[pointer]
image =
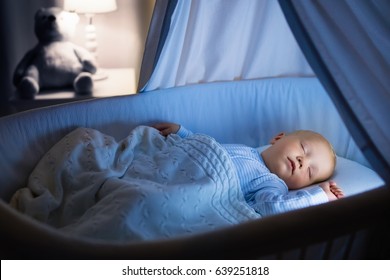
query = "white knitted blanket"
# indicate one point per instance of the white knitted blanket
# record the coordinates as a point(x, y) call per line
point(143, 187)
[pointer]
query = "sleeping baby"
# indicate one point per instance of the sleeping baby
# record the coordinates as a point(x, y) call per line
point(149, 186)
point(292, 162)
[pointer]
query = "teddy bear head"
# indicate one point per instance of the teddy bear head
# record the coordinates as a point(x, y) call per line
point(54, 24)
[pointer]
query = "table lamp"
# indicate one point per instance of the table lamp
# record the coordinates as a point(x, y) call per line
point(90, 8)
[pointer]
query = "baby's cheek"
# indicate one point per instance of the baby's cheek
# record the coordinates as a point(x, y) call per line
point(293, 183)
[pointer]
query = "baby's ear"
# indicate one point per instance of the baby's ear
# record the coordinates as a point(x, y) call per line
point(277, 137)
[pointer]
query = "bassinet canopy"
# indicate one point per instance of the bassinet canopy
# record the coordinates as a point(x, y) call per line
point(345, 42)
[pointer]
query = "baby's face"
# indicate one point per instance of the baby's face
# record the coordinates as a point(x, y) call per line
point(300, 159)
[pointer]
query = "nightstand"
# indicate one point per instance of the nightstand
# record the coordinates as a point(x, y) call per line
point(119, 81)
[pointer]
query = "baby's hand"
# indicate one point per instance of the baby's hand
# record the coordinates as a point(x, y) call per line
point(332, 190)
point(336, 190)
point(167, 128)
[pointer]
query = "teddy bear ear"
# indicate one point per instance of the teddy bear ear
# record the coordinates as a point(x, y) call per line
point(39, 13)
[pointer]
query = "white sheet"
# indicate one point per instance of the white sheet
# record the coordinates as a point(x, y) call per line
point(143, 187)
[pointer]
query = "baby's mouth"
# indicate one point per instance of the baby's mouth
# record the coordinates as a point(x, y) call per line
point(292, 163)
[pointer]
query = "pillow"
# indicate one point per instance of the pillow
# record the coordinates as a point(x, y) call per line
point(354, 177)
point(351, 176)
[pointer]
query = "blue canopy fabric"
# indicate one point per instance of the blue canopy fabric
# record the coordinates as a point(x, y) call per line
point(201, 41)
point(347, 43)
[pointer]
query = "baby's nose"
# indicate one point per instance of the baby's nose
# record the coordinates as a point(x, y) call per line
point(300, 161)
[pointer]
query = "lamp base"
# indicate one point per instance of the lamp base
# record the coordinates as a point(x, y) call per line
point(100, 75)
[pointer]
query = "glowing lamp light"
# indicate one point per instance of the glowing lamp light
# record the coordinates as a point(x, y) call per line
point(89, 8)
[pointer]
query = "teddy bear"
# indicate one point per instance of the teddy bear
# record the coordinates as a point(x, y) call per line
point(54, 62)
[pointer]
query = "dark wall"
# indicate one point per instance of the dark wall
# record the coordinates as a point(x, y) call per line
point(16, 37)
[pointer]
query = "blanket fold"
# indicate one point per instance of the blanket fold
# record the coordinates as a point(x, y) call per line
point(143, 187)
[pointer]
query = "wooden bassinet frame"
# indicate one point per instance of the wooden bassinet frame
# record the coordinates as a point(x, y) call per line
point(287, 236)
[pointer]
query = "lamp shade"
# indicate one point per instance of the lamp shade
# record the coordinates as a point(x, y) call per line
point(90, 6)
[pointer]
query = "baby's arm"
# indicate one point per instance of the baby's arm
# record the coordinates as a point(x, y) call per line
point(273, 197)
point(332, 190)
